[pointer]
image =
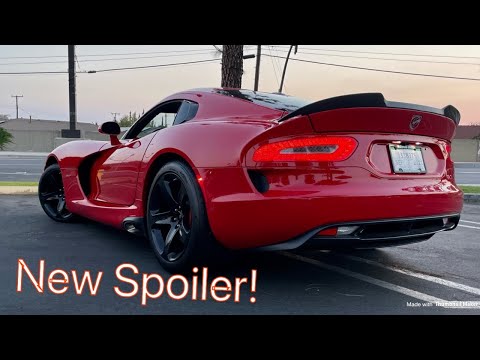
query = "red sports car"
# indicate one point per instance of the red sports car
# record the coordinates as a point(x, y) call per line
point(253, 170)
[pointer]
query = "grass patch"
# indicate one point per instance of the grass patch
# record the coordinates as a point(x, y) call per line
point(470, 189)
point(18, 183)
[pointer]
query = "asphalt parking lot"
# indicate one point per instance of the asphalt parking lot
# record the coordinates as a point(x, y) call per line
point(402, 280)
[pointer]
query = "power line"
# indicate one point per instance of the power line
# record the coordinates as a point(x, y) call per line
point(153, 66)
point(95, 55)
point(389, 53)
point(111, 59)
point(277, 61)
point(273, 65)
point(380, 70)
point(112, 69)
point(76, 60)
point(33, 72)
point(36, 62)
point(148, 52)
point(202, 50)
point(25, 111)
point(145, 57)
point(388, 59)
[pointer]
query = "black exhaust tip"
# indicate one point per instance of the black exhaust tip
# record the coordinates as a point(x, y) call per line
point(134, 225)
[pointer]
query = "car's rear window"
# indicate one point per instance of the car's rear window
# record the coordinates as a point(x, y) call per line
point(274, 101)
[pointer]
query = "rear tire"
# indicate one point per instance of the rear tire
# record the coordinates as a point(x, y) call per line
point(176, 220)
point(52, 195)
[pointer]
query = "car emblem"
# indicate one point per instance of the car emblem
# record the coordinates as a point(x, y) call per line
point(416, 120)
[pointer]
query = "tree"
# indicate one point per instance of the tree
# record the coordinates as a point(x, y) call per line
point(5, 138)
point(232, 66)
point(128, 120)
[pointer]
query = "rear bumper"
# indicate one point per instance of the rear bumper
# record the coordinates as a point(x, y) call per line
point(372, 234)
point(302, 203)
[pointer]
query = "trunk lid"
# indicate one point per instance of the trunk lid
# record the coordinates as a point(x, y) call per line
point(393, 138)
point(372, 113)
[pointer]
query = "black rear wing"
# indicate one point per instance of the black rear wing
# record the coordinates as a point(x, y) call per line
point(369, 100)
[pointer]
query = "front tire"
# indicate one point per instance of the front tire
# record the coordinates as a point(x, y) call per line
point(176, 219)
point(52, 195)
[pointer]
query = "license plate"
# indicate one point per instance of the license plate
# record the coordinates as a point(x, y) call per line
point(407, 159)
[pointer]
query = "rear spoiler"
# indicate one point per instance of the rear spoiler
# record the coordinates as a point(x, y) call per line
point(369, 100)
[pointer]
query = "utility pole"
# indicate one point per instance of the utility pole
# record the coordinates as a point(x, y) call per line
point(16, 101)
point(257, 67)
point(115, 116)
point(285, 67)
point(72, 96)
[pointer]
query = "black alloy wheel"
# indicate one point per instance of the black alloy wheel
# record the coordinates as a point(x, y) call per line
point(176, 219)
point(171, 217)
point(52, 194)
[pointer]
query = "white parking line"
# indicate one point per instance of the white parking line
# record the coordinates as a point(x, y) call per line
point(472, 222)
point(418, 275)
point(470, 227)
point(386, 285)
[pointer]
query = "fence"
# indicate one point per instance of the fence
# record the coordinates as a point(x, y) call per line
point(465, 150)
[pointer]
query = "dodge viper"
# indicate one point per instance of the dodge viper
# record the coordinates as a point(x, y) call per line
point(239, 169)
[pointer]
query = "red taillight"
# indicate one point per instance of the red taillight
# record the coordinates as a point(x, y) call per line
point(325, 148)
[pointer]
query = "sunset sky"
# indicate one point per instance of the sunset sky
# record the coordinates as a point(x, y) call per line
point(100, 94)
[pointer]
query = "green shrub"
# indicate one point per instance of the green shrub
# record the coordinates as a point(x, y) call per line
point(5, 138)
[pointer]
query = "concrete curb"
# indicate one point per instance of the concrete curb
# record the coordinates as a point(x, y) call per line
point(18, 190)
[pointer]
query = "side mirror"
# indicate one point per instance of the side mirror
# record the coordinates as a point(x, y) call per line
point(110, 128)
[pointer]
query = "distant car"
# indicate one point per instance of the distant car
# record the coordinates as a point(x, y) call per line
point(254, 170)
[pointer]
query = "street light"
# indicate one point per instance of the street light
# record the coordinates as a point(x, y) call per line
point(285, 67)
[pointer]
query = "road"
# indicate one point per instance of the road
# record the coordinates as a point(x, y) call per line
point(21, 167)
point(384, 281)
point(467, 176)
